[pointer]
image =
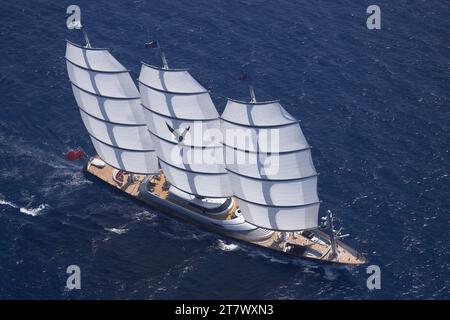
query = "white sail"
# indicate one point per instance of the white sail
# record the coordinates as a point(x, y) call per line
point(110, 107)
point(174, 100)
point(270, 166)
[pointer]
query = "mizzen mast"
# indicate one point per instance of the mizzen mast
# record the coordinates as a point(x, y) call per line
point(277, 183)
point(154, 44)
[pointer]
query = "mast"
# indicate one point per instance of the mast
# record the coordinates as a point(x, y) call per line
point(164, 60)
point(86, 39)
point(154, 44)
point(109, 105)
point(334, 234)
point(252, 93)
point(182, 119)
point(246, 77)
point(277, 183)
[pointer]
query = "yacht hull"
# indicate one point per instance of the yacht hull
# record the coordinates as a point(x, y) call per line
point(315, 246)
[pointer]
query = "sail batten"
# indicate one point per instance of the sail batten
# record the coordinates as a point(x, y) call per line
point(87, 68)
point(281, 218)
point(262, 139)
point(279, 125)
point(169, 81)
point(167, 91)
point(103, 96)
point(270, 167)
point(117, 85)
point(192, 170)
point(271, 178)
point(109, 105)
point(177, 117)
point(185, 129)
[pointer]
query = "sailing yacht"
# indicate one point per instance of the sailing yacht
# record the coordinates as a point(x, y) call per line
point(246, 174)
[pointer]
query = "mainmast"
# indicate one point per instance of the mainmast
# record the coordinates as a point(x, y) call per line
point(163, 58)
point(182, 119)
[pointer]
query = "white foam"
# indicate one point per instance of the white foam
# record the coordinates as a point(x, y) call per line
point(227, 247)
point(29, 211)
point(7, 203)
point(145, 215)
point(117, 230)
point(34, 211)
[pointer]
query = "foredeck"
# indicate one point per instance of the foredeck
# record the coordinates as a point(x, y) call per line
point(313, 250)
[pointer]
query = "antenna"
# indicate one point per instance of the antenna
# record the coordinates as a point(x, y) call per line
point(328, 222)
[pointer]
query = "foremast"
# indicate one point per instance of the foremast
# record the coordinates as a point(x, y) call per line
point(109, 105)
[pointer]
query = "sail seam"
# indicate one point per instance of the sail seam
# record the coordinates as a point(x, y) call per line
point(260, 126)
point(110, 122)
point(162, 69)
point(252, 103)
point(189, 146)
point(286, 230)
point(278, 206)
point(268, 153)
point(96, 70)
point(102, 96)
point(192, 171)
point(195, 194)
point(274, 180)
point(171, 117)
point(172, 92)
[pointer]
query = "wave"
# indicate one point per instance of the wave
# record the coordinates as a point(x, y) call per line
point(34, 211)
point(28, 211)
point(145, 215)
point(117, 230)
point(227, 247)
point(12, 205)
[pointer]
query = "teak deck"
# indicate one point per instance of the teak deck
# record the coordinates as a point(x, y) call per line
point(312, 250)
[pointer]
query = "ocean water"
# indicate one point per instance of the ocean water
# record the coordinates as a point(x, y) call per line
point(374, 104)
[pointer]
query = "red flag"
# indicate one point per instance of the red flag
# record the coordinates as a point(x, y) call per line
point(75, 154)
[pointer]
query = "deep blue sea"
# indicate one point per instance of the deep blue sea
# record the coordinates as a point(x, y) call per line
point(374, 104)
